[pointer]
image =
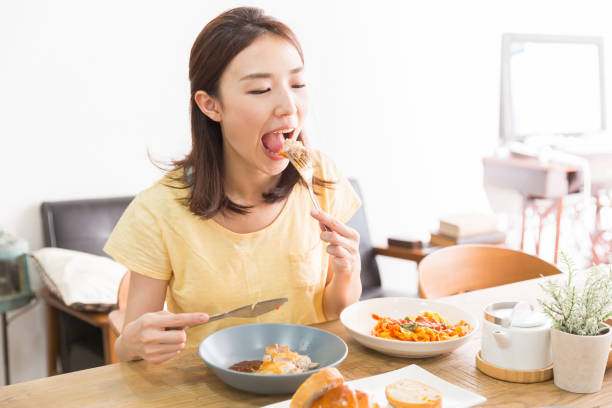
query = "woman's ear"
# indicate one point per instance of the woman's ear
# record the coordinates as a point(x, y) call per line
point(208, 105)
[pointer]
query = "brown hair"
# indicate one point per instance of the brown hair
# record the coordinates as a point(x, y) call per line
point(214, 48)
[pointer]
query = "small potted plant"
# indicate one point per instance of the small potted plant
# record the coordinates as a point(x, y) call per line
point(578, 304)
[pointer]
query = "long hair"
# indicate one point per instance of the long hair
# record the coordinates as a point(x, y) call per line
point(214, 48)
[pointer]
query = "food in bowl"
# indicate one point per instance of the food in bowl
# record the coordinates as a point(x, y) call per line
point(278, 359)
point(246, 366)
point(227, 346)
point(326, 389)
point(414, 394)
point(426, 326)
point(356, 318)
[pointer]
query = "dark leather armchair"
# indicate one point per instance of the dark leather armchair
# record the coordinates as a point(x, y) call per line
point(370, 275)
point(83, 339)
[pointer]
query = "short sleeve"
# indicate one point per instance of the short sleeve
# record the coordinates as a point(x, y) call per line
point(137, 242)
point(339, 200)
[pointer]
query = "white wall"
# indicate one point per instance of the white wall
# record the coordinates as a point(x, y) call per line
point(405, 98)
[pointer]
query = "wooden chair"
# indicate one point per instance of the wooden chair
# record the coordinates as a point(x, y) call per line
point(463, 268)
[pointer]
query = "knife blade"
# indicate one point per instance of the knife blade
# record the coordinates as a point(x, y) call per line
point(252, 310)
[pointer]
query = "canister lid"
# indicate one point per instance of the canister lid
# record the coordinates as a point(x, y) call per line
point(11, 246)
point(515, 314)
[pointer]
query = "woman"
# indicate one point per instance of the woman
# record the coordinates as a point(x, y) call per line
point(230, 224)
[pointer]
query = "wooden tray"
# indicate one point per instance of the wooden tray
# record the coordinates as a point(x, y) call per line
point(517, 376)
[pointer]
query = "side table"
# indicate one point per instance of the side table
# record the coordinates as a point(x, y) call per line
point(7, 303)
point(415, 255)
point(100, 320)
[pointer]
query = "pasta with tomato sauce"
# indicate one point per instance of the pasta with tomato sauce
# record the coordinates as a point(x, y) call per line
point(426, 326)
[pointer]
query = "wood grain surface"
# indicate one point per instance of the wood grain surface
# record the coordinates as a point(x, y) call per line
point(186, 382)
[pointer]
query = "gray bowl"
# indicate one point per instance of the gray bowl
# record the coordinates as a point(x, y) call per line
point(226, 347)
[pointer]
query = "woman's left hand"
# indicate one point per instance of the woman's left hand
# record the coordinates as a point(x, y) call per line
point(343, 245)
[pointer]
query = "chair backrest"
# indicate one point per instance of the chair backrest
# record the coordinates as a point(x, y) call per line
point(370, 276)
point(81, 225)
point(463, 268)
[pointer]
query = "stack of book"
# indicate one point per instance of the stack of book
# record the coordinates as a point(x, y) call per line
point(468, 229)
point(407, 241)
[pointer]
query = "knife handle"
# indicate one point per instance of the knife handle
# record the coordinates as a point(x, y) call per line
point(210, 319)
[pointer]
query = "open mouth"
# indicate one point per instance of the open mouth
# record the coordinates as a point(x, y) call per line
point(273, 141)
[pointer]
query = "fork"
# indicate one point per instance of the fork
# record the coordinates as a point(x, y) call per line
point(304, 167)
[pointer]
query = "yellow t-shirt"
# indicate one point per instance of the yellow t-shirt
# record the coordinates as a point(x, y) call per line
point(212, 269)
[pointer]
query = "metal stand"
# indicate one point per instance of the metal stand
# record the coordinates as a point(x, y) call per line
point(542, 212)
point(7, 379)
point(601, 242)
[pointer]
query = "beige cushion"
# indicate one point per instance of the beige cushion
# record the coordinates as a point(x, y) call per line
point(83, 281)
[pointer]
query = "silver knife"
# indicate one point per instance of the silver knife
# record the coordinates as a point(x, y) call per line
point(246, 311)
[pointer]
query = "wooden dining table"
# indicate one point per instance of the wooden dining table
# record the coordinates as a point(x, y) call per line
point(185, 381)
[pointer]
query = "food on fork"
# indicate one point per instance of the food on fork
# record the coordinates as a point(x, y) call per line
point(426, 326)
point(300, 159)
point(278, 359)
point(326, 389)
point(408, 393)
point(294, 148)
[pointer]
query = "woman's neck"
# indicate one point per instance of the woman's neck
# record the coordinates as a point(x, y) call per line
point(245, 186)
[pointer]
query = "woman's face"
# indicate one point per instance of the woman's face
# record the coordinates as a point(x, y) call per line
point(263, 100)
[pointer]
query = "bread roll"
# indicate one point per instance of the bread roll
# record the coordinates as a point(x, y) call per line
point(412, 394)
point(345, 397)
point(315, 387)
point(364, 400)
point(339, 397)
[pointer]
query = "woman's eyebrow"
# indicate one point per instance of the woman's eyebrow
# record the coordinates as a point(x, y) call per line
point(258, 75)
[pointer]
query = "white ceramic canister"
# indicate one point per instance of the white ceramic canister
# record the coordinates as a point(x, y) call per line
point(516, 336)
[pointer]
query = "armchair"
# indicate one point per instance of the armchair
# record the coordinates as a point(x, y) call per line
point(370, 275)
point(82, 339)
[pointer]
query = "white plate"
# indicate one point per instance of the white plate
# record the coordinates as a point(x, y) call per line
point(452, 396)
point(358, 320)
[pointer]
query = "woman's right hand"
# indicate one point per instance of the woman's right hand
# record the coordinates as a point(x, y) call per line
point(156, 336)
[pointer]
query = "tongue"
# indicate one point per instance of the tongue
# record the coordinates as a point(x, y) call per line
point(273, 141)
